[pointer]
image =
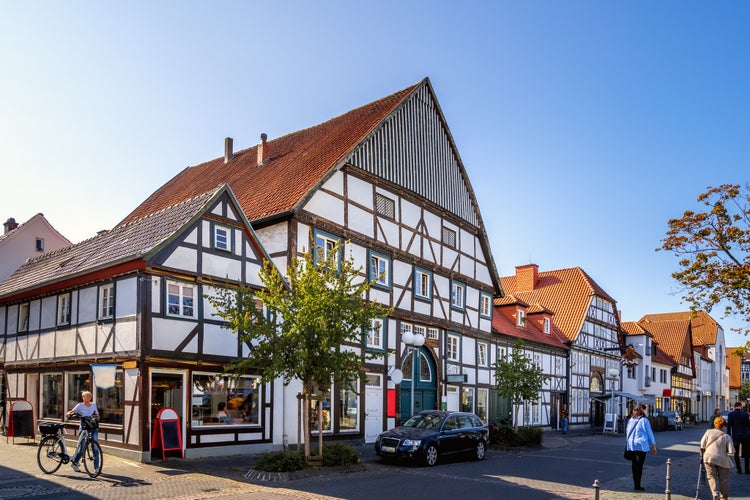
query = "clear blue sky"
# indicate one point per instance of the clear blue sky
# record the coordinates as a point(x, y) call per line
point(584, 125)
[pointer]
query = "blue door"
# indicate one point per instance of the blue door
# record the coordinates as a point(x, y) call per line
point(425, 388)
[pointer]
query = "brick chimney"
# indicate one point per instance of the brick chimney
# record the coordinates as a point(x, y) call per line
point(228, 149)
point(264, 152)
point(526, 277)
point(10, 225)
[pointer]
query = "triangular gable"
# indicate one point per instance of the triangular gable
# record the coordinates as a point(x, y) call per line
point(426, 161)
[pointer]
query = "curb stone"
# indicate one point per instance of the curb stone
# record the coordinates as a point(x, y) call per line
point(263, 476)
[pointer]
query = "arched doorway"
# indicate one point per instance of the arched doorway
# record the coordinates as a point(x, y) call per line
point(598, 407)
point(425, 388)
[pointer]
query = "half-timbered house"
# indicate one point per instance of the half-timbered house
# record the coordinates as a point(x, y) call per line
point(124, 314)
point(386, 179)
point(587, 316)
point(543, 344)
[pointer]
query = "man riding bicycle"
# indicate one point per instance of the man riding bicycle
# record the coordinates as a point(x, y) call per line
point(87, 408)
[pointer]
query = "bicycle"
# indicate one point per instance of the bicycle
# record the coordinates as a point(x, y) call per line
point(52, 452)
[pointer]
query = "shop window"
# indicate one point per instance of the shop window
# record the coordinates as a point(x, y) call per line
point(52, 396)
point(218, 399)
point(109, 401)
point(320, 408)
point(349, 415)
point(467, 399)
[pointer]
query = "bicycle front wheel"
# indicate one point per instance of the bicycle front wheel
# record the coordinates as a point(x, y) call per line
point(49, 454)
point(92, 458)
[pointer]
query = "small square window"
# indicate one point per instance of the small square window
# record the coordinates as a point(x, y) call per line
point(222, 238)
point(433, 333)
point(385, 206)
point(458, 295)
point(449, 237)
point(40, 244)
point(422, 284)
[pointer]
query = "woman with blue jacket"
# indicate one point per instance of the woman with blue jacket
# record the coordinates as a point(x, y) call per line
point(640, 438)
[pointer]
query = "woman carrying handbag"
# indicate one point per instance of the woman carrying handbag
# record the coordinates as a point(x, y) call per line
point(639, 439)
point(716, 452)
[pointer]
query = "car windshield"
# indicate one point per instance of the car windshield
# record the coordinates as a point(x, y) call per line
point(428, 421)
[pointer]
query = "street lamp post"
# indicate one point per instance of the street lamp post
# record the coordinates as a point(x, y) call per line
point(414, 342)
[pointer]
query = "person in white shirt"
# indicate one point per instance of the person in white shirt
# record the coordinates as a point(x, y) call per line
point(86, 408)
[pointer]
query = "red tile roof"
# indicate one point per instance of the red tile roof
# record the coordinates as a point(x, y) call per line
point(504, 323)
point(297, 163)
point(566, 292)
point(702, 325)
point(673, 337)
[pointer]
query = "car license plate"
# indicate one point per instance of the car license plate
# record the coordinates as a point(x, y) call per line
point(388, 449)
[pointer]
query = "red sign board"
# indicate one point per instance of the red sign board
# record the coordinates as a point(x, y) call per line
point(391, 410)
point(667, 393)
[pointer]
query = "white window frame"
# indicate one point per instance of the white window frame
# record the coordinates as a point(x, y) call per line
point(380, 270)
point(221, 241)
point(422, 284)
point(107, 301)
point(181, 296)
point(326, 243)
point(453, 347)
point(63, 309)
point(485, 305)
point(520, 318)
point(458, 295)
point(433, 333)
point(23, 317)
point(375, 337)
point(483, 349)
point(547, 325)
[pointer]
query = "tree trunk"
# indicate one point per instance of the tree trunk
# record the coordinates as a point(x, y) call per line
point(306, 420)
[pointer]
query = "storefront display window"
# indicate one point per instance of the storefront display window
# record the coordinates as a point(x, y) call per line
point(109, 401)
point(218, 399)
point(349, 415)
point(52, 396)
point(321, 401)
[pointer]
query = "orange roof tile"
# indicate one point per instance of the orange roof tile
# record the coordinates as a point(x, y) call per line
point(566, 292)
point(298, 161)
point(504, 323)
point(704, 328)
point(673, 337)
point(734, 363)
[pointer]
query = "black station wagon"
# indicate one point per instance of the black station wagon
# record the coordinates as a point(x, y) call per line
point(431, 434)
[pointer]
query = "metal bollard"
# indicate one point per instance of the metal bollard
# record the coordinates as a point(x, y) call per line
point(667, 492)
point(596, 489)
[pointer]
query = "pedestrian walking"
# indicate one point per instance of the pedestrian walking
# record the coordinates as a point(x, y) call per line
point(716, 450)
point(564, 419)
point(640, 438)
point(738, 426)
point(717, 413)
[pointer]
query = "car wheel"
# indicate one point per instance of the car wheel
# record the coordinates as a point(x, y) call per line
point(480, 450)
point(431, 455)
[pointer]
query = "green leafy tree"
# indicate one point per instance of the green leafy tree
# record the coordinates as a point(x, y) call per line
point(518, 378)
point(714, 251)
point(309, 320)
point(744, 393)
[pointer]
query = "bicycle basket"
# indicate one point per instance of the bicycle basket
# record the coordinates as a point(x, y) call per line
point(89, 423)
point(47, 429)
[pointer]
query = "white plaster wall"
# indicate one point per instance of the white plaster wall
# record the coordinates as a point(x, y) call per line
point(87, 307)
point(126, 297)
point(335, 183)
point(66, 343)
point(49, 311)
point(126, 336)
point(274, 238)
point(360, 221)
point(46, 344)
point(468, 243)
point(13, 319)
point(192, 237)
point(183, 258)
point(168, 334)
point(360, 191)
point(156, 293)
point(217, 340)
point(326, 206)
point(221, 267)
point(388, 232)
point(410, 213)
point(434, 224)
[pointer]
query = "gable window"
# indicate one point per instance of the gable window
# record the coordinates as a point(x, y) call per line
point(458, 295)
point(520, 317)
point(482, 350)
point(23, 318)
point(375, 334)
point(449, 237)
point(452, 352)
point(485, 305)
point(422, 284)
point(222, 238)
point(325, 248)
point(181, 299)
point(106, 301)
point(547, 323)
point(40, 244)
point(385, 206)
point(63, 309)
point(380, 270)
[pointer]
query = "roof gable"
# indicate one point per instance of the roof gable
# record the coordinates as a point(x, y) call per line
point(704, 328)
point(138, 240)
point(673, 338)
